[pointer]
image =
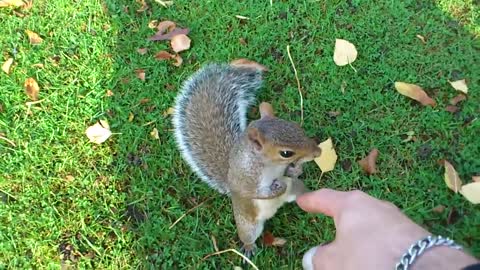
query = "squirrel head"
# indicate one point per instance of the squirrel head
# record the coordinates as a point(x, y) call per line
point(280, 141)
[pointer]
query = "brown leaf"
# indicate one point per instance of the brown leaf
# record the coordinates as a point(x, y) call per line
point(11, 3)
point(168, 36)
point(414, 92)
point(246, 63)
point(268, 238)
point(142, 51)
point(368, 163)
point(439, 208)
point(279, 242)
point(33, 37)
point(476, 178)
point(180, 43)
point(242, 41)
point(144, 101)
point(452, 179)
point(165, 27)
point(178, 60)
point(163, 55)
point(140, 74)
point(451, 108)
point(6, 65)
point(457, 99)
point(31, 88)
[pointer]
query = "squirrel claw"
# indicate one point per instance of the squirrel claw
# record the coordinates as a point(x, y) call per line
point(278, 187)
point(248, 251)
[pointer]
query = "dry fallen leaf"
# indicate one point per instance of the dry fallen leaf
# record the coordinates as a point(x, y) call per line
point(165, 27)
point(168, 112)
point(99, 132)
point(154, 134)
point(242, 17)
point(140, 74)
point(452, 109)
point(39, 65)
point(177, 31)
point(144, 101)
point(279, 242)
point(69, 178)
point(109, 93)
point(471, 192)
point(180, 43)
point(163, 55)
point(414, 92)
point(422, 38)
point(178, 60)
point(164, 3)
point(31, 88)
point(328, 157)
point(142, 51)
point(476, 178)
point(268, 238)
point(242, 62)
point(6, 65)
point(460, 85)
point(11, 3)
point(439, 208)
point(452, 179)
point(33, 37)
point(130, 117)
point(143, 7)
point(345, 52)
point(457, 99)
point(368, 163)
point(243, 41)
point(153, 24)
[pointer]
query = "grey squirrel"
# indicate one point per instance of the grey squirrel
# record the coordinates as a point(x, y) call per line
point(256, 165)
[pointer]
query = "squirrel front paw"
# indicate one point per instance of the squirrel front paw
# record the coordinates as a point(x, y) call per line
point(294, 170)
point(278, 187)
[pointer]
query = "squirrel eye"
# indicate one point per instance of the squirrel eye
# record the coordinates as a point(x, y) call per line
point(286, 154)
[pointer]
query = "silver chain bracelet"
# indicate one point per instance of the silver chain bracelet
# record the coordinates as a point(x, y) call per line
point(419, 247)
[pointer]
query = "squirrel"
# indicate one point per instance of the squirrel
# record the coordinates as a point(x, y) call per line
point(256, 165)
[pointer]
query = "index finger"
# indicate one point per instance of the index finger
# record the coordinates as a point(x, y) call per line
point(326, 201)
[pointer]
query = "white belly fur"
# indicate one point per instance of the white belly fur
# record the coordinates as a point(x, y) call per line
point(267, 208)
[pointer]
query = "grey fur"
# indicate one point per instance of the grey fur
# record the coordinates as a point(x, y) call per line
point(206, 136)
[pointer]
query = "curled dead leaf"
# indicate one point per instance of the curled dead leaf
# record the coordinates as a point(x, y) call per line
point(328, 157)
point(6, 66)
point(31, 88)
point(131, 116)
point(99, 132)
point(142, 51)
point(154, 134)
point(153, 24)
point(163, 55)
point(452, 179)
point(33, 37)
point(246, 63)
point(178, 60)
point(457, 99)
point(460, 85)
point(180, 43)
point(344, 53)
point(165, 27)
point(471, 192)
point(140, 74)
point(368, 163)
point(414, 92)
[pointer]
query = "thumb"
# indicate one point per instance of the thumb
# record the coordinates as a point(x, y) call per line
point(326, 201)
point(307, 261)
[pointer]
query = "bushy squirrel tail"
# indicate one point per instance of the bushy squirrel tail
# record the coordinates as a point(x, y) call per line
point(210, 114)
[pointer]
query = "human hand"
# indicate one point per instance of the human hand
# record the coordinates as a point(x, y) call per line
point(370, 234)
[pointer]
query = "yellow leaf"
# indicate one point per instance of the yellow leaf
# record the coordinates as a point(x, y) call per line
point(6, 65)
point(414, 92)
point(154, 134)
point(33, 37)
point(180, 43)
point(327, 159)
point(471, 192)
point(11, 3)
point(452, 179)
point(460, 85)
point(164, 3)
point(130, 117)
point(99, 132)
point(345, 52)
point(169, 111)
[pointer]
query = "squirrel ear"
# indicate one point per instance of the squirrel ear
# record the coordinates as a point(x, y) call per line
point(266, 110)
point(256, 138)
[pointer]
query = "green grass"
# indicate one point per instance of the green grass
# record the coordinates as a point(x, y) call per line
point(116, 212)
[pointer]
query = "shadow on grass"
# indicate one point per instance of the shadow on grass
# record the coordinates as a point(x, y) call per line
point(160, 187)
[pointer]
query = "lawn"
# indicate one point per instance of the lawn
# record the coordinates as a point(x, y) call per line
point(71, 203)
